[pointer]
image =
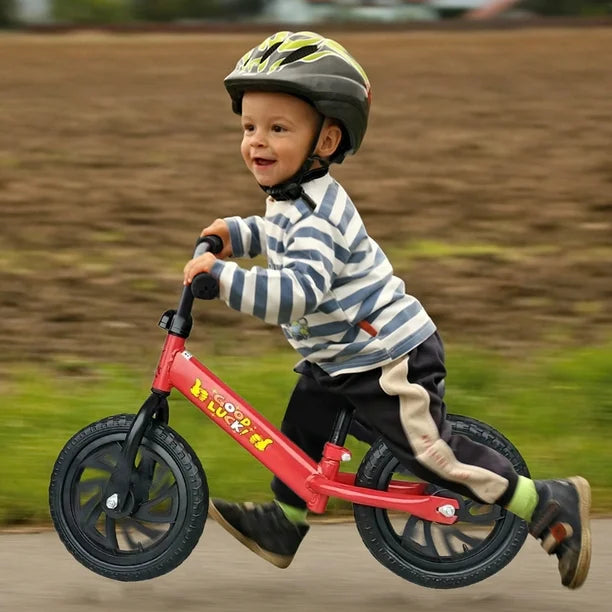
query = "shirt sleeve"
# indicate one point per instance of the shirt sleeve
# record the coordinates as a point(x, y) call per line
point(310, 265)
point(247, 236)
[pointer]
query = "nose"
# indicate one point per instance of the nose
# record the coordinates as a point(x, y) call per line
point(257, 139)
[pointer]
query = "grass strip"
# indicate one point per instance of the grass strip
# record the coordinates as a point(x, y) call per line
point(557, 409)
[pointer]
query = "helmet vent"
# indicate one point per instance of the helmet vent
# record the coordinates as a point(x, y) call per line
point(298, 54)
point(269, 52)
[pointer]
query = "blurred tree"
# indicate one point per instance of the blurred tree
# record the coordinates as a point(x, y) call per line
point(569, 7)
point(157, 10)
point(113, 11)
point(91, 11)
point(167, 10)
point(7, 13)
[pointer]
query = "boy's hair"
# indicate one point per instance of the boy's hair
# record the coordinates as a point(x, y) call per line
point(316, 69)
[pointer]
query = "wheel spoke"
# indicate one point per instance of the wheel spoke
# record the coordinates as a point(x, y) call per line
point(430, 545)
point(128, 537)
point(453, 532)
point(410, 537)
point(91, 486)
point(146, 511)
point(410, 531)
point(100, 460)
point(148, 531)
point(89, 514)
point(160, 476)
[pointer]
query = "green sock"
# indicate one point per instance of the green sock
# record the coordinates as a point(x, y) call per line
point(524, 500)
point(295, 515)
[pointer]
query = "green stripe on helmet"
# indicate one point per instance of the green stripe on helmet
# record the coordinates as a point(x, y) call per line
point(273, 39)
point(294, 45)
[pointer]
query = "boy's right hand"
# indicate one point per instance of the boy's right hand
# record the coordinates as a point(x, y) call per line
point(220, 228)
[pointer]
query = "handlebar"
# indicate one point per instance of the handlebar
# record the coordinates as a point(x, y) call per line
point(212, 243)
point(203, 285)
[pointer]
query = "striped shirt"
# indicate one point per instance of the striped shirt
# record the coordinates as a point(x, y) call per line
point(325, 276)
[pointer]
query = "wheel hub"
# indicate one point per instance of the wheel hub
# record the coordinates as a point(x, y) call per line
point(112, 506)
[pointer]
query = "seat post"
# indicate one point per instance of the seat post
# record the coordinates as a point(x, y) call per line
point(341, 426)
point(333, 453)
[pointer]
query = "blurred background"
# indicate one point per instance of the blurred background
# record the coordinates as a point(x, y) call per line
point(15, 12)
point(486, 175)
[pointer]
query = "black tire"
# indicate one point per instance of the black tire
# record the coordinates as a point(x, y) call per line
point(166, 520)
point(434, 555)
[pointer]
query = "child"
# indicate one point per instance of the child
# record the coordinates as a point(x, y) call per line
point(304, 104)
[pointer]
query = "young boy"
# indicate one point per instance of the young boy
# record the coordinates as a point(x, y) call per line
point(304, 104)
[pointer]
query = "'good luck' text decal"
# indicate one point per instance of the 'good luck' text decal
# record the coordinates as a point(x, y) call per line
point(232, 415)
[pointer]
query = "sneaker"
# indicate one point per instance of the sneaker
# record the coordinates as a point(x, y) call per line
point(263, 528)
point(561, 521)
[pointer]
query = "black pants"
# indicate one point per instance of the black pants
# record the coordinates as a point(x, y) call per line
point(401, 402)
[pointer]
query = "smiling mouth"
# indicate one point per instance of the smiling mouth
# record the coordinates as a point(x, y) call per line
point(262, 162)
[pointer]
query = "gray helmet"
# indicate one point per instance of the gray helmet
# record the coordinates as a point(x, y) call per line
point(314, 68)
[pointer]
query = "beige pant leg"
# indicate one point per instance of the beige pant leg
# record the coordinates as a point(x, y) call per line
point(429, 449)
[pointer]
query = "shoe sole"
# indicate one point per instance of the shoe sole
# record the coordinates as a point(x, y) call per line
point(584, 559)
point(281, 561)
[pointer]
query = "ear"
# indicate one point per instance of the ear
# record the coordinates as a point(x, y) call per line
point(329, 139)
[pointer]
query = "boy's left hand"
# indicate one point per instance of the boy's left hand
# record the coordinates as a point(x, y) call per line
point(203, 263)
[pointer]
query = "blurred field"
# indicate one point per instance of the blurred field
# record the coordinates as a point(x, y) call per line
point(486, 174)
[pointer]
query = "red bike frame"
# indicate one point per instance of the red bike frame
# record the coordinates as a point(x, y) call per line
point(313, 482)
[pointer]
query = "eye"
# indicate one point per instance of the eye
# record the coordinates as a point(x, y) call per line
point(248, 127)
point(278, 128)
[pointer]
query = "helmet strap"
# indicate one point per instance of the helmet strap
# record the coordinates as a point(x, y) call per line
point(292, 188)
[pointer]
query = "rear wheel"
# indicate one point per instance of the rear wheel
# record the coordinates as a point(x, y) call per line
point(484, 539)
point(168, 501)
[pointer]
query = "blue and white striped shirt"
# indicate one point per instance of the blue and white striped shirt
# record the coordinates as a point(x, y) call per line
point(325, 275)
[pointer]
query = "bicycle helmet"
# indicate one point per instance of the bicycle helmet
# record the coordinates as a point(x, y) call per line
point(316, 69)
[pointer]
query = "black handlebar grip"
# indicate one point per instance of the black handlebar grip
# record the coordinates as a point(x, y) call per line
point(205, 244)
point(204, 286)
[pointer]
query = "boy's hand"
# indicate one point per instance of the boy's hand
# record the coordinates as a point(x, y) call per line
point(205, 262)
point(200, 264)
point(219, 227)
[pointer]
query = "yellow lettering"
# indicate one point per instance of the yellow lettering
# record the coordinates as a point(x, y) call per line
point(197, 387)
point(259, 443)
point(261, 446)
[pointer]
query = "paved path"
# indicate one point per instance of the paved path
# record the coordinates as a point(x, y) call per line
point(333, 571)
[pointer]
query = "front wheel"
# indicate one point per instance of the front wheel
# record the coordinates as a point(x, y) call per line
point(485, 538)
point(168, 499)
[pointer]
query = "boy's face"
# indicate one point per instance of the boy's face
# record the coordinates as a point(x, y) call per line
point(278, 130)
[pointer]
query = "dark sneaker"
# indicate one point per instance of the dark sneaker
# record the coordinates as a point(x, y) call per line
point(561, 521)
point(263, 528)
